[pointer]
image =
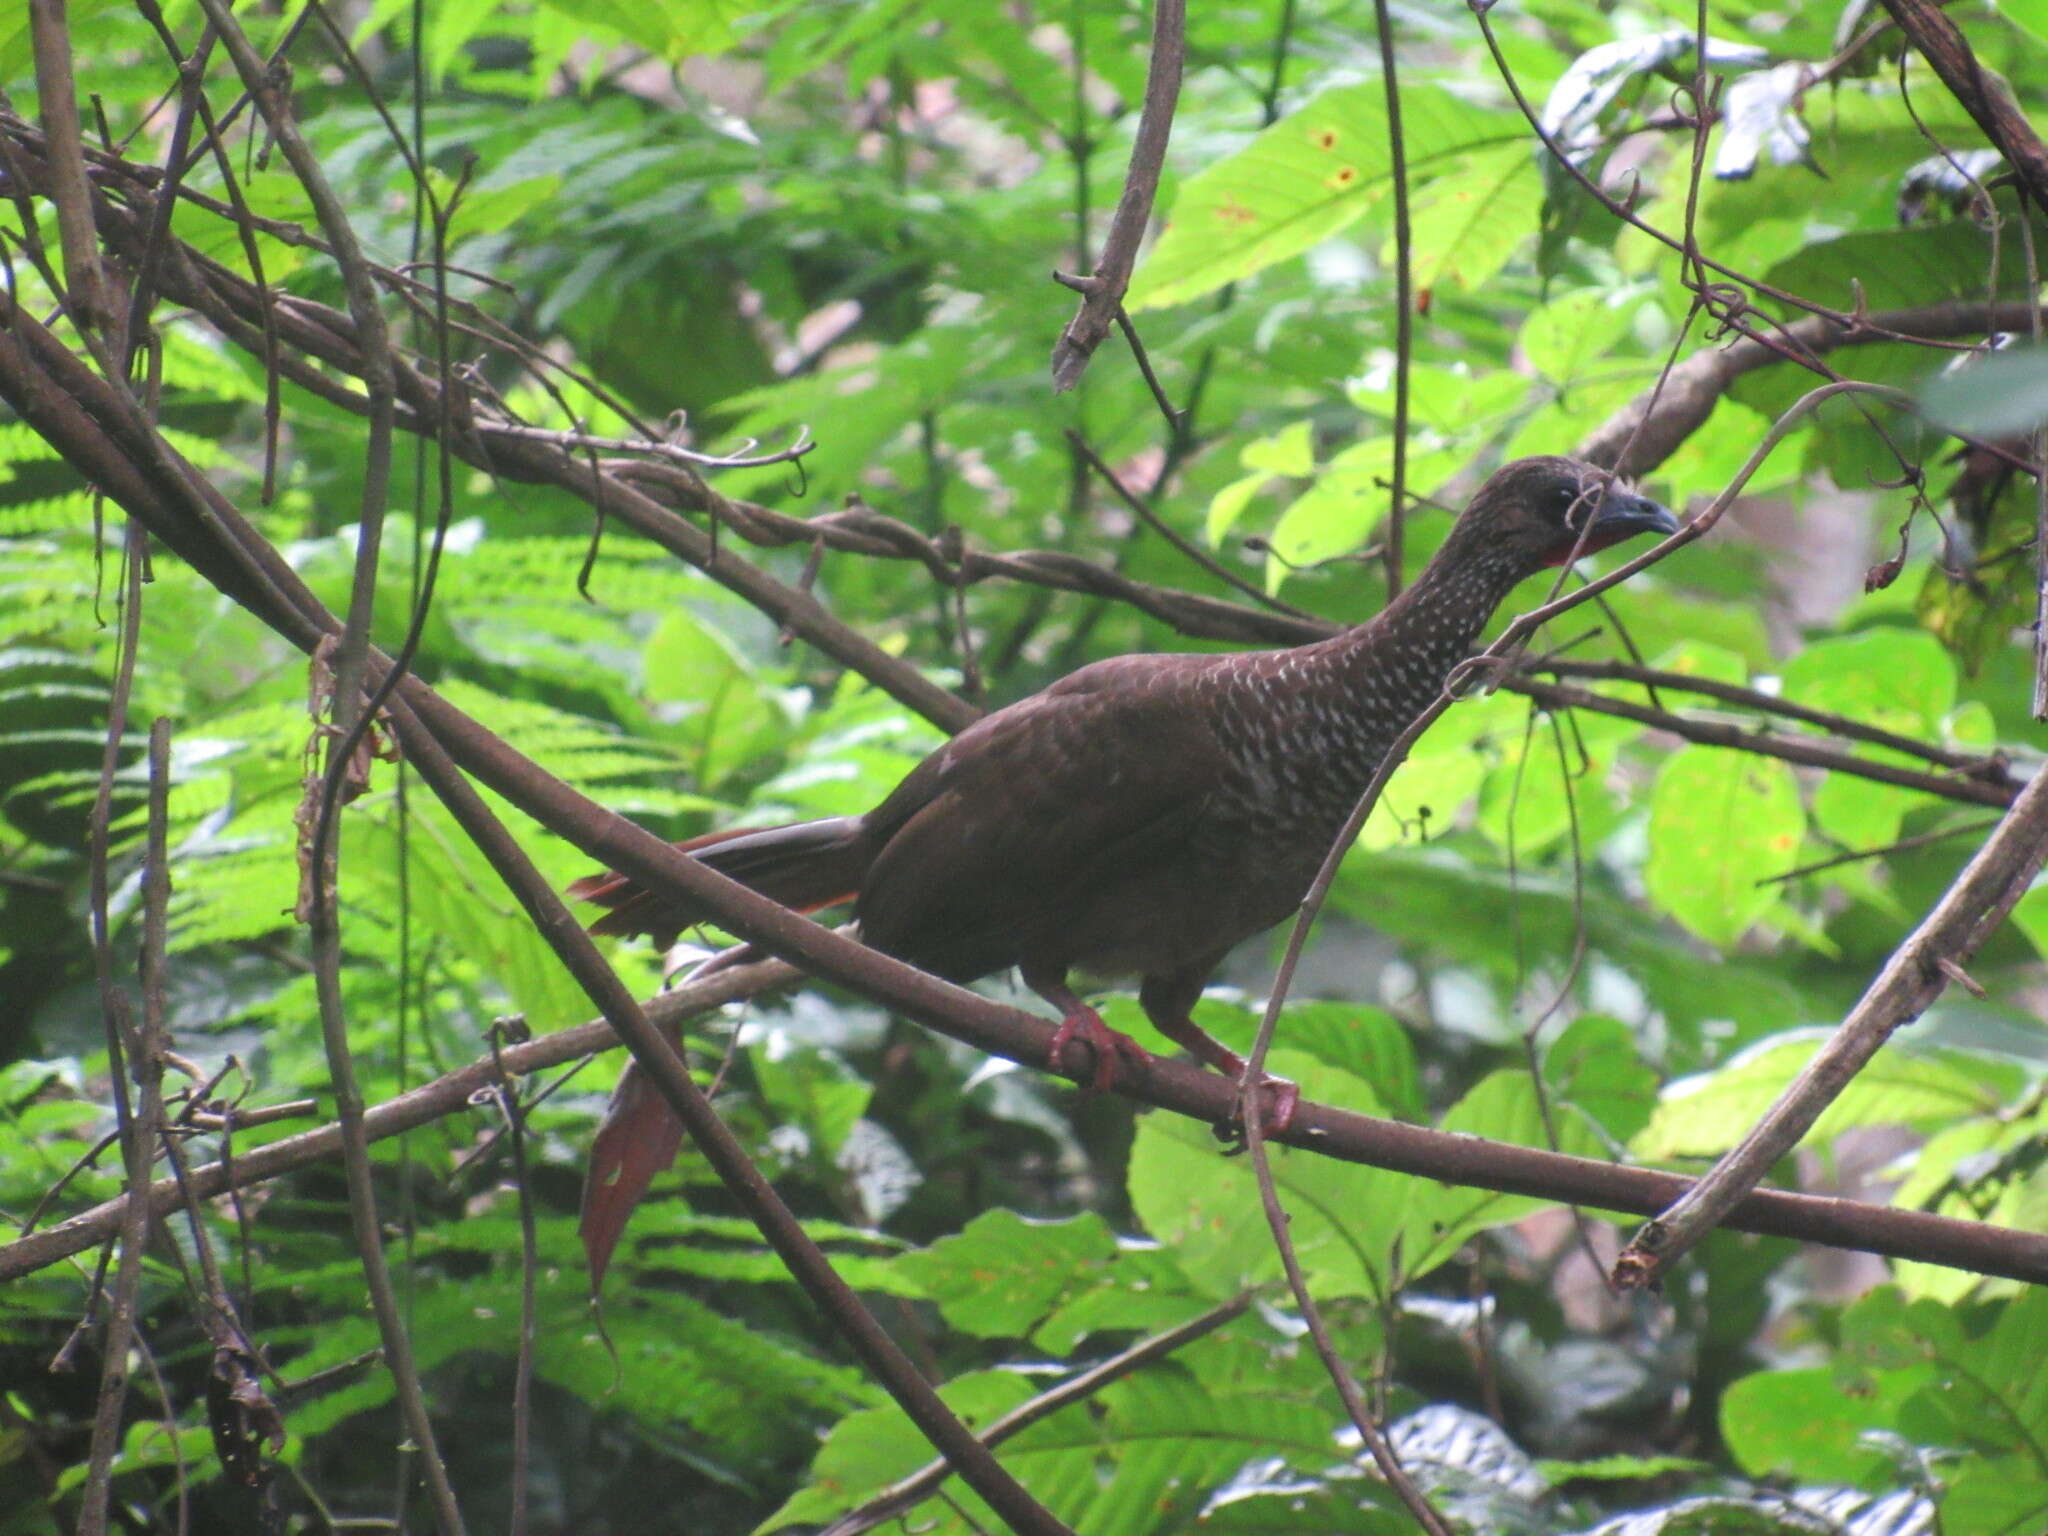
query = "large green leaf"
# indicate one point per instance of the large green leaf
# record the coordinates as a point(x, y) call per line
point(1720, 824)
point(1302, 180)
point(1921, 1089)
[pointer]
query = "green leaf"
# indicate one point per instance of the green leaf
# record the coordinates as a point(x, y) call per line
point(1615, 1469)
point(2030, 916)
point(1921, 1089)
point(1802, 1424)
point(1860, 813)
point(1720, 822)
point(722, 708)
point(1712, 663)
point(1451, 401)
point(1473, 219)
point(1595, 1065)
point(1307, 177)
point(1900, 679)
point(1290, 451)
point(269, 195)
point(813, 1091)
point(1564, 338)
point(868, 1450)
point(1547, 782)
point(1345, 1218)
point(1001, 1273)
point(2003, 395)
point(1444, 770)
point(669, 29)
point(487, 209)
point(1503, 1106)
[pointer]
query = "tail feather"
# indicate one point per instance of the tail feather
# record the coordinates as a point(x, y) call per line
point(805, 865)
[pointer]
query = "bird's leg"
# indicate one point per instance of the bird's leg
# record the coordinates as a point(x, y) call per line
point(1167, 1001)
point(1079, 1021)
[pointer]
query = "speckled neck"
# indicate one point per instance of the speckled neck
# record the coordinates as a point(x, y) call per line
point(1396, 662)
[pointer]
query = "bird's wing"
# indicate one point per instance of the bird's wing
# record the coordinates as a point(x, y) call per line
point(992, 837)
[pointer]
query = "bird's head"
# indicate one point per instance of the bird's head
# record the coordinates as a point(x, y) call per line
point(1533, 513)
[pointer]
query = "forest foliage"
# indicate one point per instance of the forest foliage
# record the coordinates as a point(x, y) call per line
point(833, 225)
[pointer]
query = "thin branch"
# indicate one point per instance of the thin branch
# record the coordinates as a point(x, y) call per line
point(350, 721)
point(1901, 845)
point(506, 1093)
point(1194, 552)
point(1361, 1416)
point(140, 1122)
point(1112, 277)
point(2040, 702)
point(899, 1498)
point(1990, 769)
point(85, 291)
point(1971, 788)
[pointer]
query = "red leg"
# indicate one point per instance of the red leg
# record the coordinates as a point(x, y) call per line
point(1167, 1000)
point(1079, 1021)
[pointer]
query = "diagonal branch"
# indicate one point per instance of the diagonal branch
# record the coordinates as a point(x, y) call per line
point(742, 1177)
point(1103, 293)
point(900, 1497)
point(1915, 975)
point(1983, 93)
point(1661, 421)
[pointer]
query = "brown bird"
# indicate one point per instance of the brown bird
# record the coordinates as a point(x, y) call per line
point(1143, 815)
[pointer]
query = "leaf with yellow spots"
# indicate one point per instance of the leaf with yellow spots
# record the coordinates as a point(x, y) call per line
point(1719, 823)
point(1304, 179)
point(1475, 218)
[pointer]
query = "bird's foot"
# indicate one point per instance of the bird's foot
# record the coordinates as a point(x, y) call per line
point(1084, 1023)
point(1277, 1099)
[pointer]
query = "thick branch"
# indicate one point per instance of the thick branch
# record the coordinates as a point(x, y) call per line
point(1983, 93)
point(1662, 419)
point(1179, 1087)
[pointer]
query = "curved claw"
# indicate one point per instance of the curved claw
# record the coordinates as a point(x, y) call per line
point(1282, 1096)
point(1108, 1044)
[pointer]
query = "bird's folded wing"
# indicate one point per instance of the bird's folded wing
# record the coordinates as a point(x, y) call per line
point(1031, 806)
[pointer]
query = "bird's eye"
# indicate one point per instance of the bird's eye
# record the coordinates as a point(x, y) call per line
point(1562, 500)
